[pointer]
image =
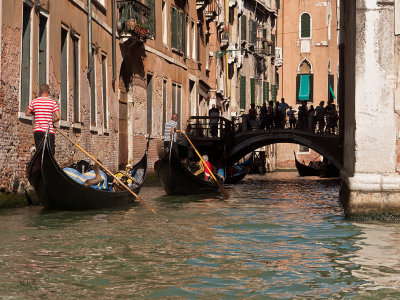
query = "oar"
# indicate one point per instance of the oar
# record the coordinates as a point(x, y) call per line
point(107, 170)
point(198, 154)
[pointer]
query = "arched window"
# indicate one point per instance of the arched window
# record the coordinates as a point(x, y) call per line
point(305, 26)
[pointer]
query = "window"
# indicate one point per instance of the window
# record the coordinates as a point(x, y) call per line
point(304, 87)
point(304, 82)
point(42, 46)
point(178, 26)
point(253, 90)
point(64, 74)
point(149, 92)
point(242, 92)
point(76, 78)
point(252, 31)
point(104, 85)
point(93, 90)
point(188, 39)
point(164, 23)
point(177, 101)
point(304, 149)
point(198, 41)
point(26, 56)
point(193, 41)
point(305, 26)
point(164, 109)
point(243, 28)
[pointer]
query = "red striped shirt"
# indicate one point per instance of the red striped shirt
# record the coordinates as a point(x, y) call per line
point(43, 108)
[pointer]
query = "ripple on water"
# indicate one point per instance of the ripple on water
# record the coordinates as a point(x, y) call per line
point(277, 236)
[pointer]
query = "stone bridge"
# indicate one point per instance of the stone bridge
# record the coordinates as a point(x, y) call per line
point(328, 145)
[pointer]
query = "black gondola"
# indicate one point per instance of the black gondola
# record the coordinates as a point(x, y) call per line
point(56, 190)
point(234, 176)
point(176, 179)
point(306, 170)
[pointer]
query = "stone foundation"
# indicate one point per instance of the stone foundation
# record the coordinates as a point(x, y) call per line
point(367, 200)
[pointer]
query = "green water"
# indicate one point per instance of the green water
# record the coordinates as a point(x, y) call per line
point(275, 237)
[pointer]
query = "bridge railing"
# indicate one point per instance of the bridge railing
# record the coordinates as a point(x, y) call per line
point(212, 127)
point(325, 125)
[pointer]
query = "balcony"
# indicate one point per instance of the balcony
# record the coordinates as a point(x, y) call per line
point(136, 20)
point(212, 10)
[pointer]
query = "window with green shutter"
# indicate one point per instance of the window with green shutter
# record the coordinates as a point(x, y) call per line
point(273, 92)
point(253, 90)
point(305, 25)
point(273, 45)
point(242, 92)
point(174, 28)
point(254, 32)
point(243, 35)
point(265, 91)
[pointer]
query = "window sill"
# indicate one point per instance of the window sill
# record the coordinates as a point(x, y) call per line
point(64, 124)
point(177, 51)
point(106, 131)
point(94, 129)
point(77, 126)
point(23, 117)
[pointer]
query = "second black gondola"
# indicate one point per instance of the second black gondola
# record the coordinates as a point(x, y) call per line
point(176, 179)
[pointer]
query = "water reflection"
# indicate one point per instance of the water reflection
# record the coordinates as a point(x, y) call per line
point(278, 236)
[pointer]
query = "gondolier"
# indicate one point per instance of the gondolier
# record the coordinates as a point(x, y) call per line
point(46, 113)
point(169, 130)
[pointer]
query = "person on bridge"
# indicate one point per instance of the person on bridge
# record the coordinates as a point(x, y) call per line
point(263, 116)
point(253, 116)
point(320, 116)
point(270, 114)
point(214, 114)
point(302, 121)
point(310, 118)
point(278, 116)
point(284, 106)
point(292, 117)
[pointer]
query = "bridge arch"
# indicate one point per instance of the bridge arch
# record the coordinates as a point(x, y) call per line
point(246, 142)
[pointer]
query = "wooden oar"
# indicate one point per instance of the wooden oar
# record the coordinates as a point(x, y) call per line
point(107, 170)
point(198, 154)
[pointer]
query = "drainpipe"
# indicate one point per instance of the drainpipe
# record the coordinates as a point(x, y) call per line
point(90, 67)
point(114, 63)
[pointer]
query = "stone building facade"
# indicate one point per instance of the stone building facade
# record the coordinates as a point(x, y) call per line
point(47, 42)
point(307, 46)
point(163, 73)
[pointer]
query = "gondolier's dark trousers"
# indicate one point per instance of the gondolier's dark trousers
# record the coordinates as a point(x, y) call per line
point(39, 136)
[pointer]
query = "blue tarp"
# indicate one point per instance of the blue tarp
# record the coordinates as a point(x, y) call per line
point(81, 178)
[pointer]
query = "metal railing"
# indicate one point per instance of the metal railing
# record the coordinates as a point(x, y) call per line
point(327, 124)
point(212, 127)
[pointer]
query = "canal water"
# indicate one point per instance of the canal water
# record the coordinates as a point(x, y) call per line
point(277, 236)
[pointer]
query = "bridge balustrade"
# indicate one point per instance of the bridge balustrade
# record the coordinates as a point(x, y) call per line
point(217, 128)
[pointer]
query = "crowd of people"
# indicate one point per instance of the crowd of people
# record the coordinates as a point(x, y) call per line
point(322, 119)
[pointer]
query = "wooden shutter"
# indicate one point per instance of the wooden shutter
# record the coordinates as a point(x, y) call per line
point(42, 50)
point(104, 80)
point(179, 20)
point(250, 28)
point(242, 92)
point(273, 92)
point(254, 32)
point(75, 42)
point(164, 111)
point(273, 45)
point(184, 23)
point(64, 74)
point(265, 91)
point(174, 27)
point(253, 90)
point(173, 98)
point(152, 18)
point(26, 57)
point(243, 36)
point(179, 105)
point(149, 109)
